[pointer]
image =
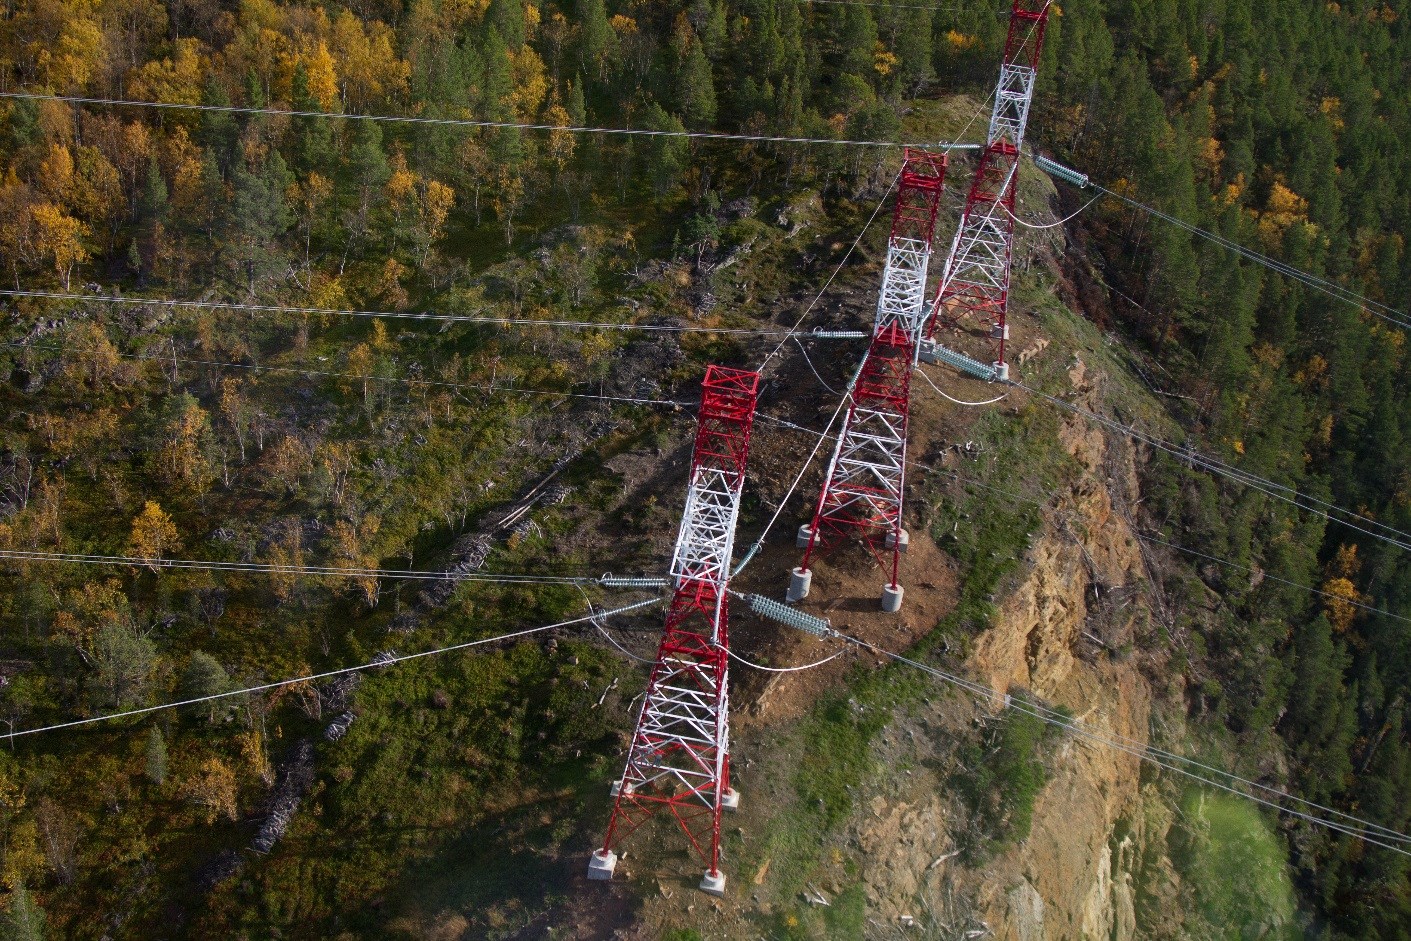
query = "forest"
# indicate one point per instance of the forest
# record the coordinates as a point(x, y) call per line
point(345, 431)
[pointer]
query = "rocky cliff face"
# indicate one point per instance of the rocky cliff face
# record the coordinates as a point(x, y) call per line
point(1064, 635)
point(1060, 636)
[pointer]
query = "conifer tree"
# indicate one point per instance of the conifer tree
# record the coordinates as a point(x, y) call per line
point(696, 88)
point(314, 148)
point(594, 36)
point(205, 677)
point(259, 215)
point(667, 156)
point(219, 131)
point(506, 17)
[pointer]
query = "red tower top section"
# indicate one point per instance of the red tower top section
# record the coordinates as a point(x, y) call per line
point(923, 176)
point(726, 417)
point(1027, 22)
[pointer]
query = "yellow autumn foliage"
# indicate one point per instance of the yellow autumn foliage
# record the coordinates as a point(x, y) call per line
point(58, 237)
point(372, 71)
point(323, 76)
point(153, 534)
point(531, 83)
point(212, 787)
point(176, 80)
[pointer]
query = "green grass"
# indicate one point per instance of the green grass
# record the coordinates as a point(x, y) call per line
point(1005, 774)
point(1234, 863)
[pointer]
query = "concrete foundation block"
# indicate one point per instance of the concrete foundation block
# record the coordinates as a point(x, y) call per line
point(601, 865)
point(891, 598)
point(713, 883)
point(799, 582)
point(804, 537)
point(902, 536)
point(730, 800)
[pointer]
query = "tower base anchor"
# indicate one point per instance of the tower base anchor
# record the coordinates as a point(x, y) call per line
point(805, 535)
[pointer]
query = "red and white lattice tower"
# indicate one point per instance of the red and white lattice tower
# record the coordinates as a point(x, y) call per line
point(975, 280)
point(679, 760)
point(862, 493)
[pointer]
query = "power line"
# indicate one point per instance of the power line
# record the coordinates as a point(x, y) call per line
point(898, 6)
point(478, 387)
point(793, 332)
point(388, 314)
point(1355, 827)
point(827, 284)
point(383, 662)
point(846, 394)
point(1268, 487)
point(950, 398)
point(1149, 537)
point(1166, 759)
point(467, 123)
point(1331, 288)
point(1308, 279)
point(1146, 537)
point(1053, 225)
point(798, 669)
point(20, 555)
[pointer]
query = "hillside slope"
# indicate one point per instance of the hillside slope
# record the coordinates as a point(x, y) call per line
point(328, 353)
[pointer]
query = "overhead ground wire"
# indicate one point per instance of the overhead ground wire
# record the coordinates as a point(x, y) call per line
point(20, 555)
point(1053, 225)
point(1146, 537)
point(1372, 833)
point(793, 331)
point(1281, 492)
point(1318, 283)
point(1342, 599)
point(949, 398)
point(846, 395)
point(489, 389)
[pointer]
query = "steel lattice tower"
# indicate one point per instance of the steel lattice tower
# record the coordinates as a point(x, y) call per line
point(862, 493)
point(679, 759)
point(975, 280)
